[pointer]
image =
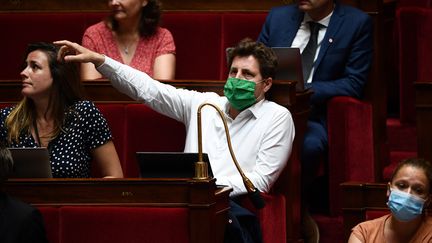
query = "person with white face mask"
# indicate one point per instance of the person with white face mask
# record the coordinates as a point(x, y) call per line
point(409, 193)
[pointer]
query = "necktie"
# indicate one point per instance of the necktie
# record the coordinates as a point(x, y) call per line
point(308, 54)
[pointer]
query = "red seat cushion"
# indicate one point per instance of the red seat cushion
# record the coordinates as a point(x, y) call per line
point(148, 130)
point(235, 27)
point(52, 26)
point(51, 220)
point(198, 40)
point(373, 214)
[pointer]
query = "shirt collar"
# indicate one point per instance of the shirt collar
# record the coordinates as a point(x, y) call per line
point(254, 110)
point(324, 21)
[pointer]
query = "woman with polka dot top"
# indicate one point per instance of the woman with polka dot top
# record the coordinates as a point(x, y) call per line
point(52, 114)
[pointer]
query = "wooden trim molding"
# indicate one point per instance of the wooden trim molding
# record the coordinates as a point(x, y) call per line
point(171, 5)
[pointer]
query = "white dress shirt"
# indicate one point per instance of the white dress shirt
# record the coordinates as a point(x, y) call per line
point(261, 135)
point(303, 33)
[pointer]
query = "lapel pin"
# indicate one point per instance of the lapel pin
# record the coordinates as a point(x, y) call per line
point(330, 40)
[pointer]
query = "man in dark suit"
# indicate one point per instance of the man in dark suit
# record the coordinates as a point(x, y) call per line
point(339, 64)
point(19, 222)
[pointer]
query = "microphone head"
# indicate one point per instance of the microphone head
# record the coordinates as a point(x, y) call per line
point(256, 199)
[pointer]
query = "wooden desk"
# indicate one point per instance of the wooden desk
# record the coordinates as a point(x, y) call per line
point(282, 92)
point(357, 199)
point(207, 204)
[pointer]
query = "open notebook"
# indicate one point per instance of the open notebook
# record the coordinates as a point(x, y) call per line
point(30, 163)
point(169, 164)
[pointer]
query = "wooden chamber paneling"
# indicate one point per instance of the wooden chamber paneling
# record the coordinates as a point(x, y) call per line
point(95, 5)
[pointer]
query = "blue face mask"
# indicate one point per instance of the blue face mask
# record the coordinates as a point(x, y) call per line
point(404, 206)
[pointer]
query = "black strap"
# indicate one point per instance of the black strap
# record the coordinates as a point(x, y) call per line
point(37, 134)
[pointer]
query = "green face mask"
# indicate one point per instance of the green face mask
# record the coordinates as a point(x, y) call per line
point(240, 93)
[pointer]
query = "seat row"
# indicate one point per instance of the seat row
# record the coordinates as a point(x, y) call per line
point(201, 38)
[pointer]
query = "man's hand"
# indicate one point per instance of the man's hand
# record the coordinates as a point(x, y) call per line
point(73, 52)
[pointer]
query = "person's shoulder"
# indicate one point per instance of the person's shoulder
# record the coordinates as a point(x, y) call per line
point(83, 106)
point(284, 9)
point(373, 223)
point(16, 207)
point(162, 33)
point(352, 11)
point(275, 108)
point(96, 28)
point(162, 30)
point(428, 221)
point(4, 112)
point(7, 109)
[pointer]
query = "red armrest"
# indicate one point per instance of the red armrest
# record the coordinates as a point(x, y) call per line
point(351, 150)
point(51, 221)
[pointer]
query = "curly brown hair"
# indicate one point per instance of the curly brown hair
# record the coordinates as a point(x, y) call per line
point(265, 56)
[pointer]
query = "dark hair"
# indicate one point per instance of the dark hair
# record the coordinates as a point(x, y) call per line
point(149, 21)
point(417, 163)
point(265, 56)
point(6, 163)
point(67, 87)
point(66, 90)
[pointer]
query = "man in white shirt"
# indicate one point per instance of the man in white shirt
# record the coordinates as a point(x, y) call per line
point(262, 132)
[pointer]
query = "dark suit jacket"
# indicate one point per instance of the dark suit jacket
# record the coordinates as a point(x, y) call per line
point(345, 56)
point(20, 222)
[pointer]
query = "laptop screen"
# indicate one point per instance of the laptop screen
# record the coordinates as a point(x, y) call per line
point(30, 163)
point(169, 164)
point(289, 65)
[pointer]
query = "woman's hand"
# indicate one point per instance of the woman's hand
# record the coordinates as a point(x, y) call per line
point(73, 52)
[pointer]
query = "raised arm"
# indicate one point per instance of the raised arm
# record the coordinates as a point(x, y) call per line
point(73, 52)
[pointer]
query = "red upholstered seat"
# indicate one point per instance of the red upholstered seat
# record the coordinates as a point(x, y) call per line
point(51, 27)
point(351, 148)
point(123, 224)
point(3, 105)
point(147, 130)
point(373, 214)
point(273, 225)
point(197, 45)
point(235, 27)
point(414, 3)
point(414, 28)
point(52, 223)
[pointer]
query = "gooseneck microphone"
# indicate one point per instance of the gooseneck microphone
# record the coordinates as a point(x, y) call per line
point(253, 192)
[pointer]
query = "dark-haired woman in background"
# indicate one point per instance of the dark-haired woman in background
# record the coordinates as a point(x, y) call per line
point(52, 114)
point(131, 35)
point(409, 194)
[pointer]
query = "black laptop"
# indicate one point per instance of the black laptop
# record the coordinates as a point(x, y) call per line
point(289, 65)
point(30, 163)
point(169, 164)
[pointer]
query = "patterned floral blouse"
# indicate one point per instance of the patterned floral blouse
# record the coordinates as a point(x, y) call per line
point(99, 38)
point(84, 129)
